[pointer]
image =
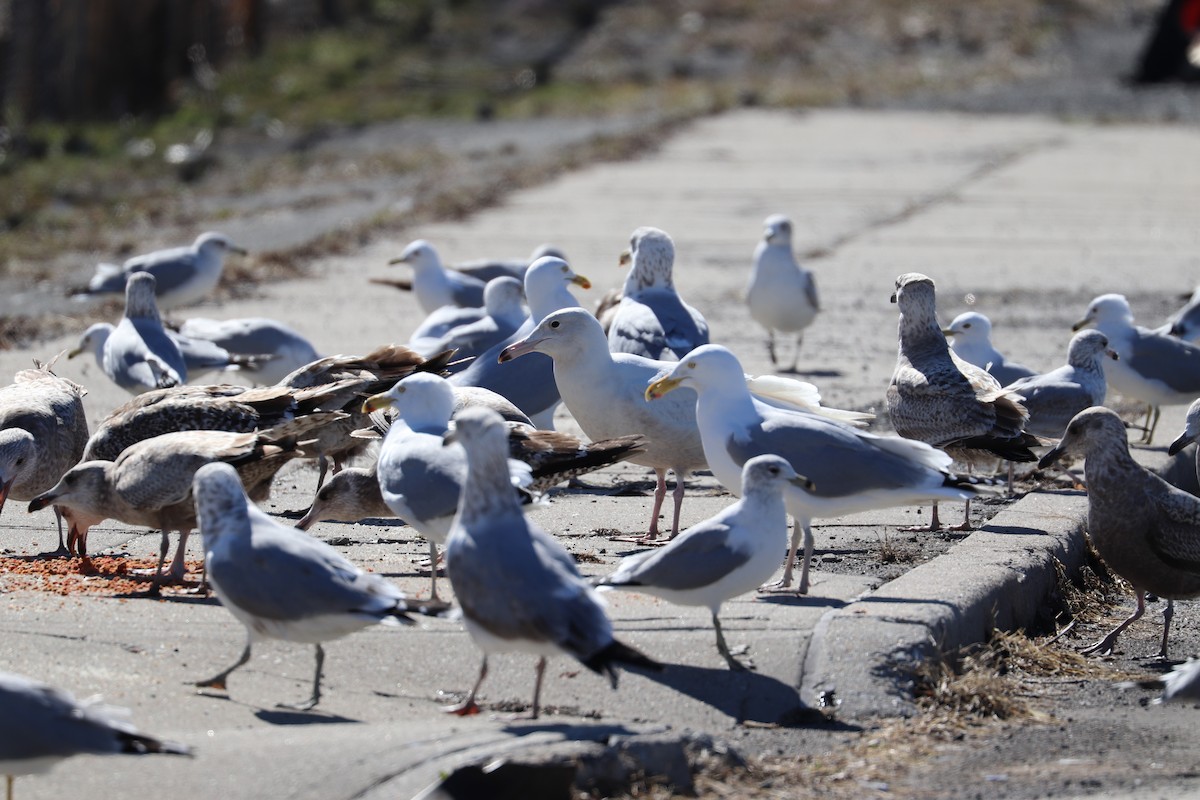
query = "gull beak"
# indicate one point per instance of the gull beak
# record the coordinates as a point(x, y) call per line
point(241, 251)
point(625, 259)
point(308, 519)
point(517, 349)
point(74, 352)
point(1083, 323)
point(398, 260)
point(378, 401)
point(947, 332)
point(803, 483)
point(581, 282)
point(5, 487)
point(661, 386)
point(893, 298)
point(1183, 441)
point(1054, 455)
point(43, 500)
point(1108, 351)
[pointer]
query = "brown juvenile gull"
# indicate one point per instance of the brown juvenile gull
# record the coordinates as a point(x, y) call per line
point(1146, 530)
point(727, 555)
point(43, 430)
point(42, 725)
point(937, 398)
point(139, 355)
point(652, 319)
point(851, 470)
point(183, 274)
point(782, 295)
point(518, 588)
point(150, 483)
point(280, 582)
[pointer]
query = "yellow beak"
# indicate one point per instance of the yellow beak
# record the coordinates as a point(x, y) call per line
point(625, 258)
point(581, 282)
point(376, 402)
point(662, 386)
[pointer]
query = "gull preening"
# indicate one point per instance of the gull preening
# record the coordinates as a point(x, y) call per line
point(183, 275)
point(727, 555)
point(518, 588)
point(782, 295)
point(1146, 530)
point(281, 583)
point(970, 336)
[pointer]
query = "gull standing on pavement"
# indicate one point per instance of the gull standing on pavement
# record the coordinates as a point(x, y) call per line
point(782, 295)
point(970, 336)
point(183, 274)
point(851, 470)
point(1146, 530)
point(282, 583)
point(937, 398)
point(724, 556)
point(42, 725)
point(1054, 398)
point(1155, 368)
point(518, 588)
point(652, 318)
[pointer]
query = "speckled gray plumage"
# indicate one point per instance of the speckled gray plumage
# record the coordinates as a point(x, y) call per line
point(1054, 398)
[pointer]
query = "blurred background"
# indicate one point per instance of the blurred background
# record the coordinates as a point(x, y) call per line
point(130, 124)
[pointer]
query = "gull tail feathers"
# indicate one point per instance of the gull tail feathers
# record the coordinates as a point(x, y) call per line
point(605, 661)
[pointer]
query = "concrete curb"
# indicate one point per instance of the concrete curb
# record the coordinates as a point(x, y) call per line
point(862, 654)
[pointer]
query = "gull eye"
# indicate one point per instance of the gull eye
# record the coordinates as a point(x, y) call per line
point(691, 365)
point(554, 324)
point(773, 470)
point(966, 325)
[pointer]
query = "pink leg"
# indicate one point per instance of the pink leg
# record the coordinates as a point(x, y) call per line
point(1104, 646)
point(678, 497)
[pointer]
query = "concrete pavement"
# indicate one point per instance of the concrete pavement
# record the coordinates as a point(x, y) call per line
point(1024, 219)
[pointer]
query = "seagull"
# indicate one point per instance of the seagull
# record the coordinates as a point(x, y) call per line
point(724, 556)
point(529, 384)
point(1155, 368)
point(280, 582)
point(150, 483)
point(782, 295)
point(503, 314)
point(436, 286)
point(970, 336)
point(1181, 684)
point(138, 354)
point(42, 725)
point(1054, 398)
point(1191, 432)
point(852, 470)
point(486, 269)
point(937, 398)
point(1146, 530)
point(1185, 323)
point(289, 350)
point(184, 274)
point(518, 588)
point(43, 431)
point(200, 356)
point(651, 318)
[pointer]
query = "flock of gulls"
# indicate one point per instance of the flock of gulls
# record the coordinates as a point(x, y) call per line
point(460, 421)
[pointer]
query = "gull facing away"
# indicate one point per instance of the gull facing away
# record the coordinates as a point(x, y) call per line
point(782, 295)
point(970, 336)
point(518, 588)
point(138, 354)
point(1146, 530)
point(200, 356)
point(436, 286)
point(1155, 368)
point(42, 725)
point(504, 312)
point(938, 398)
point(43, 431)
point(652, 318)
point(727, 555)
point(851, 470)
point(289, 350)
point(183, 274)
point(529, 384)
point(282, 583)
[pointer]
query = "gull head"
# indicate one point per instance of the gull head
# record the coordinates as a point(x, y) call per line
point(551, 271)
point(83, 488)
point(220, 500)
point(770, 473)
point(418, 254)
point(342, 498)
point(480, 430)
point(970, 326)
point(1106, 311)
point(502, 297)
point(653, 255)
point(216, 243)
point(1191, 429)
point(18, 455)
point(914, 292)
point(1095, 431)
point(1088, 347)
point(708, 366)
point(139, 296)
point(777, 230)
point(559, 334)
point(421, 399)
point(92, 341)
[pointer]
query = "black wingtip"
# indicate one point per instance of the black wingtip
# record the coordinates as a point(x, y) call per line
point(605, 661)
point(140, 744)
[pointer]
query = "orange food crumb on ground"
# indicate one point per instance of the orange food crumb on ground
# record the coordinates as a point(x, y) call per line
point(95, 575)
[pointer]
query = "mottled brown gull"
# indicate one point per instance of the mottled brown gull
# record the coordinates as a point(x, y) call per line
point(782, 295)
point(1146, 530)
point(42, 725)
point(518, 588)
point(280, 582)
point(727, 555)
point(183, 274)
point(43, 431)
point(851, 470)
point(150, 483)
point(652, 320)
point(937, 398)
